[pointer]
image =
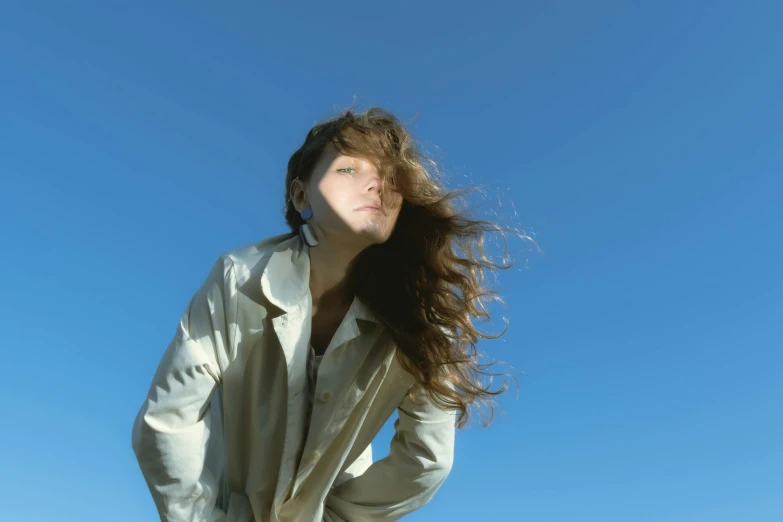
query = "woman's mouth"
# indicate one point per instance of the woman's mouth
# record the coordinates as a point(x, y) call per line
point(373, 209)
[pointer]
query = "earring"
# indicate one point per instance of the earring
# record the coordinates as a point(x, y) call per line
point(306, 230)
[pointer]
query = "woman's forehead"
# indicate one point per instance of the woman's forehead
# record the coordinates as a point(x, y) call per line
point(332, 155)
point(356, 159)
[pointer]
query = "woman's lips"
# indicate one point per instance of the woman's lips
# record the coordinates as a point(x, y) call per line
point(371, 209)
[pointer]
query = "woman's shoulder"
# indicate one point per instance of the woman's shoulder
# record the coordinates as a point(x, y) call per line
point(244, 267)
point(250, 257)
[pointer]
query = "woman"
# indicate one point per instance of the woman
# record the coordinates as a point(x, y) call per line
point(297, 349)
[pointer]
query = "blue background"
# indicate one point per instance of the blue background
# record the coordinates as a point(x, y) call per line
point(639, 143)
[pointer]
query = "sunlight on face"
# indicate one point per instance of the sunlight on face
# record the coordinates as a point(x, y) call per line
point(339, 188)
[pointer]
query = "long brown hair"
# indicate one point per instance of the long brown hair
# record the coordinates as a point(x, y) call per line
point(426, 283)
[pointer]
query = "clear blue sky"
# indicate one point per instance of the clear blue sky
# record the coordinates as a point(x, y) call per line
point(640, 142)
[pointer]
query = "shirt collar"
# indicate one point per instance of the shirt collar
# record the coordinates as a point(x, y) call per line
point(286, 279)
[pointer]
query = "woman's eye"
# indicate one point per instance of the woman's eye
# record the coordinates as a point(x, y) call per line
point(347, 168)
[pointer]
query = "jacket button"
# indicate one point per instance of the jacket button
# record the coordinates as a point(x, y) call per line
point(325, 396)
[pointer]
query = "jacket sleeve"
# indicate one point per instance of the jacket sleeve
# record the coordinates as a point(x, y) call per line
point(420, 458)
point(171, 431)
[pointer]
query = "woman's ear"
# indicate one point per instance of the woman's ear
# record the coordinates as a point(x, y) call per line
point(298, 195)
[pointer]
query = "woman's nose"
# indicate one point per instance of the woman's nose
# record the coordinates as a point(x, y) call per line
point(375, 183)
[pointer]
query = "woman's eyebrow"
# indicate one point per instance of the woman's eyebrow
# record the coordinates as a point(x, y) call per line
point(350, 160)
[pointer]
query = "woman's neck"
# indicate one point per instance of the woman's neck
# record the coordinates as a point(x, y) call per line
point(329, 275)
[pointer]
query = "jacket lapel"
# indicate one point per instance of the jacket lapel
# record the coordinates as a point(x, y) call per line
point(350, 369)
point(286, 282)
point(358, 359)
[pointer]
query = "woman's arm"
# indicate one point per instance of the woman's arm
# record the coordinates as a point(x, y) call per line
point(171, 430)
point(420, 458)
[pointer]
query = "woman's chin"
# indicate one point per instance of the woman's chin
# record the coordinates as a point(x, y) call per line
point(372, 234)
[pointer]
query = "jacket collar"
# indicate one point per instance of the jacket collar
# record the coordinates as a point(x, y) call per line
point(285, 280)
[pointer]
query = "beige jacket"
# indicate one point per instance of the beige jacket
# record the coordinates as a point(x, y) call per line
point(220, 436)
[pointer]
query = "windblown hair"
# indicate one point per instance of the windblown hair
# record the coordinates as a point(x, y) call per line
point(426, 283)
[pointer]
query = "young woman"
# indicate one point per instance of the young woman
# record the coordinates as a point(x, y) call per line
point(297, 349)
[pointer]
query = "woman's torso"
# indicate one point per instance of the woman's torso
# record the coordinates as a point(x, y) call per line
point(295, 420)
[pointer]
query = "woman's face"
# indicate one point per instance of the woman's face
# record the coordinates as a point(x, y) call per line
point(338, 192)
